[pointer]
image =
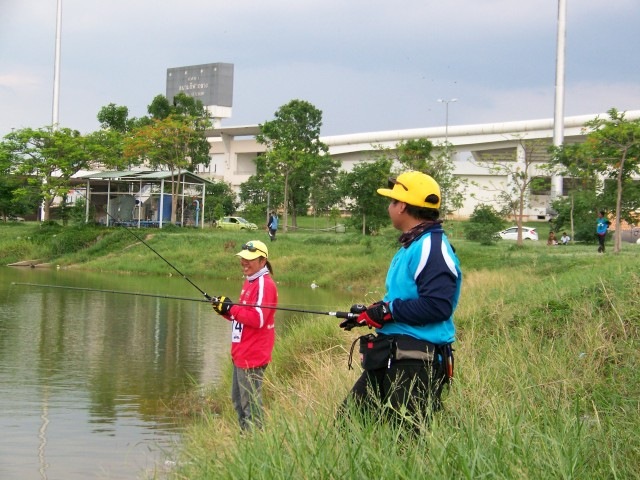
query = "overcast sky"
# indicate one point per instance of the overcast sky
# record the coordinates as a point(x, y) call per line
point(368, 65)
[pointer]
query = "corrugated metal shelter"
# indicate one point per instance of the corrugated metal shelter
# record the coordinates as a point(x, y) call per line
point(139, 198)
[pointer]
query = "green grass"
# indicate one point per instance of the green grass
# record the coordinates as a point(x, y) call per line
point(547, 365)
point(547, 385)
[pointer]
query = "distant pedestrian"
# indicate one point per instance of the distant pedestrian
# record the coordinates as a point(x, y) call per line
point(272, 225)
point(565, 239)
point(602, 225)
point(552, 239)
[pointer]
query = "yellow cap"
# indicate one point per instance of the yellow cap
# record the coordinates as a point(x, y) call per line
point(253, 249)
point(414, 188)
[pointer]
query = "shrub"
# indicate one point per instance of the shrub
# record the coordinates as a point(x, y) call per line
point(483, 224)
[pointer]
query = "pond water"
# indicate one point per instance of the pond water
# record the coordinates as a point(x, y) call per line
point(85, 376)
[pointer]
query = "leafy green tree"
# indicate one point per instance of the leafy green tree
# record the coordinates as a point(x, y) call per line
point(576, 213)
point(294, 152)
point(220, 200)
point(17, 196)
point(324, 191)
point(612, 151)
point(171, 143)
point(419, 155)
point(114, 117)
point(260, 190)
point(483, 224)
point(49, 157)
point(172, 139)
point(368, 209)
point(115, 124)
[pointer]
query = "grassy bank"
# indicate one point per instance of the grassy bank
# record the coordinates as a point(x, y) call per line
point(547, 386)
point(547, 379)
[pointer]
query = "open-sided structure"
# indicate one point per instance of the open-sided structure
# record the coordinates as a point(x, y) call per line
point(143, 198)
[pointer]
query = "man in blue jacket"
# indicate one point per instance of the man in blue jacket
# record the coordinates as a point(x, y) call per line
point(409, 360)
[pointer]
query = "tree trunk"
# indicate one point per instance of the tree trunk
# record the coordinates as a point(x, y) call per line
point(617, 240)
point(285, 217)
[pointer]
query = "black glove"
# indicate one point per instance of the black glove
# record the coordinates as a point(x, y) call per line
point(376, 315)
point(222, 304)
point(351, 319)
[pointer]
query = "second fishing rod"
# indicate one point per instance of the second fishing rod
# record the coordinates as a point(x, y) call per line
point(346, 315)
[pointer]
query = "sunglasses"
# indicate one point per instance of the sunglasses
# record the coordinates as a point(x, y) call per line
point(249, 246)
point(392, 182)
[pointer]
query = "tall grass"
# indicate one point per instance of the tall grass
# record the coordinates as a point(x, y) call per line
point(547, 365)
point(547, 386)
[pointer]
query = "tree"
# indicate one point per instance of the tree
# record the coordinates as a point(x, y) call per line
point(419, 155)
point(610, 151)
point(114, 117)
point(173, 139)
point(17, 197)
point(513, 195)
point(294, 151)
point(220, 200)
point(50, 157)
point(115, 124)
point(260, 190)
point(171, 143)
point(368, 209)
point(483, 224)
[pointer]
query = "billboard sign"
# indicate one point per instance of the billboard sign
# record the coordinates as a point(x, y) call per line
point(211, 83)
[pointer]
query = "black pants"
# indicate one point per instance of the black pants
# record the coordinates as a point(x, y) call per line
point(601, 239)
point(413, 384)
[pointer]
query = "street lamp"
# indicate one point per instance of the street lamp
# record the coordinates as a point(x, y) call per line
point(446, 120)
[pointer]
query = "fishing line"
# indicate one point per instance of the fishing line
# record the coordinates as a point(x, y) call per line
point(347, 315)
point(206, 295)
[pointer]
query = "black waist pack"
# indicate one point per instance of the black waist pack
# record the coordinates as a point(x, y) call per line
point(376, 351)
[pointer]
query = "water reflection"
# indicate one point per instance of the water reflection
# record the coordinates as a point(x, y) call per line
point(85, 376)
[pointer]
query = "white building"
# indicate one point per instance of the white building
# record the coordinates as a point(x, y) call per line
point(234, 149)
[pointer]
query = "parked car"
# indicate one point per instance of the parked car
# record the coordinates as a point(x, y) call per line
point(512, 233)
point(235, 223)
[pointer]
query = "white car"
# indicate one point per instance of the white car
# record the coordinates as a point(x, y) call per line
point(512, 233)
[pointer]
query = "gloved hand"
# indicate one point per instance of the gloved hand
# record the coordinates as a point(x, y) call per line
point(222, 304)
point(351, 318)
point(375, 315)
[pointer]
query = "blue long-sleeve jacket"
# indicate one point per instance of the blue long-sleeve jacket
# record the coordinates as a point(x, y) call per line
point(423, 287)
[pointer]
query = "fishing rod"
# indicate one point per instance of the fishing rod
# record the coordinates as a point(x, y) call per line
point(206, 295)
point(345, 315)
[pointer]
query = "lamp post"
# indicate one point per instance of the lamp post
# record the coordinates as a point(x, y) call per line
point(446, 118)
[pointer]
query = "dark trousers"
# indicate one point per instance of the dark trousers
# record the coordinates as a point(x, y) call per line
point(412, 384)
point(601, 239)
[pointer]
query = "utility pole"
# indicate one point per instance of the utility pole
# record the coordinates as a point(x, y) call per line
point(446, 118)
point(558, 116)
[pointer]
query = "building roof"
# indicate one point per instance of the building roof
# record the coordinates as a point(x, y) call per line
point(140, 175)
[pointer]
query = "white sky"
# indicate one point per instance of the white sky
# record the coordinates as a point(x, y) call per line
point(368, 65)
